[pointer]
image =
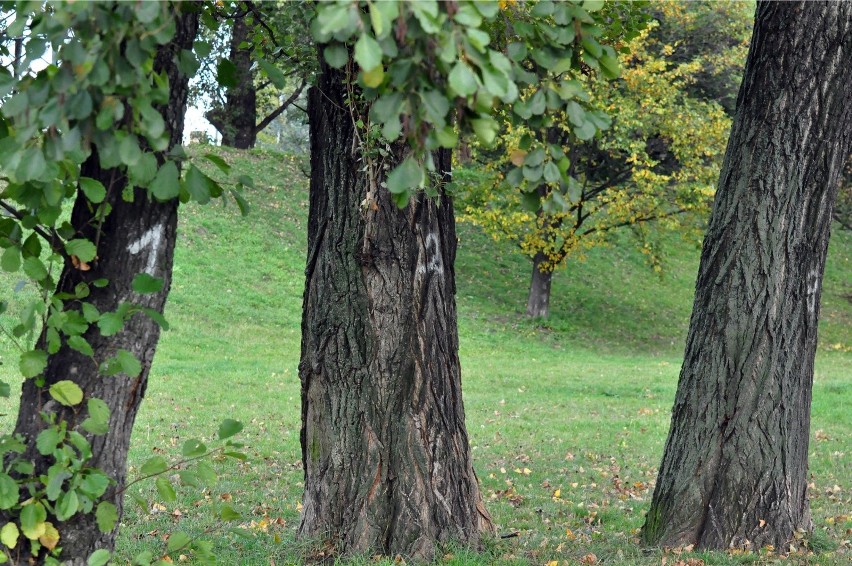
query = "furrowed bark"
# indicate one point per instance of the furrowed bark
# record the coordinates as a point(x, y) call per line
point(136, 237)
point(386, 454)
point(734, 473)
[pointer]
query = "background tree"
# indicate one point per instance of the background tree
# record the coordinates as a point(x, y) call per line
point(269, 59)
point(657, 162)
point(734, 473)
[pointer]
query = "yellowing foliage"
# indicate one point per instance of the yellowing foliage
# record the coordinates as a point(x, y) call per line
point(659, 161)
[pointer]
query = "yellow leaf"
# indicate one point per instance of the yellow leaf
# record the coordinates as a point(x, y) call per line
point(373, 77)
point(9, 534)
point(50, 538)
point(517, 157)
point(557, 493)
point(527, 471)
point(553, 563)
point(299, 506)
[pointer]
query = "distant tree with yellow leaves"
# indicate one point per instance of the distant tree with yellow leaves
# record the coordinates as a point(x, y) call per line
point(654, 155)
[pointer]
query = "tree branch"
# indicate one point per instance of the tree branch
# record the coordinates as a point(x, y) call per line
point(277, 112)
point(51, 237)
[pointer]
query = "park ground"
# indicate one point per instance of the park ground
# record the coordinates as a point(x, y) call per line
point(567, 418)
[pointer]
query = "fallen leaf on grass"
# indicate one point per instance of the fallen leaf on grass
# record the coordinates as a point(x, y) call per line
point(589, 559)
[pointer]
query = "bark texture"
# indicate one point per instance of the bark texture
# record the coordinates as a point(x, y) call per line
point(386, 454)
point(237, 118)
point(538, 303)
point(136, 237)
point(734, 473)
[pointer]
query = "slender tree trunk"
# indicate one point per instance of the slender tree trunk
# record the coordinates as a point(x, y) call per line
point(386, 454)
point(734, 473)
point(538, 303)
point(136, 237)
point(237, 120)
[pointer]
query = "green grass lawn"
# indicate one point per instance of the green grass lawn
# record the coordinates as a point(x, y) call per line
point(567, 419)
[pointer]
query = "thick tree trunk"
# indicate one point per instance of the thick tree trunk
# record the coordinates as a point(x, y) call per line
point(386, 453)
point(136, 237)
point(734, 473)
point(538, 303)
point(237, 120)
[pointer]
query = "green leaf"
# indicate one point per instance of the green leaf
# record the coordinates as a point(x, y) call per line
point(437, 106)
point(387, 107)
point(48, 439)
point(128, 362)
point(485, 129)
point(156, 317)
point(94, 484)
point(9, 534)
point(593, 5)
point(101, 556)
point(407, 176)
point(177, 541)
point(67, 505)
point(336, 55)
point(33, 516)
point(193, 448)
point(229, 428)
point(66, 392)
point(32, 363)
point(551, 172)
point(9, 494)
point(110, 323)
point(166, 184)
point(218, 162)
point(128, 150)
point(242, 203)
point(93, 189)
point(11, 260)
point(368, 52)
point(462, 79)
point(198, 185)
point(32, 165)
point(164, 487)
point(83, 249)
point(98, 420)
point(226, 74)
point(35, 269)
point(144, 283)
point(206, 473)
point(107, 516)
point(155, 465)
point(273, 73)
point(372, 78)
point(81, 345)
point(227, 513)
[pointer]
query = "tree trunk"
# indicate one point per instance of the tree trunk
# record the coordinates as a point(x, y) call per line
point(538, 303)
point(237, 119)
point(136, 237)
point(386, 454)
point(734, 473)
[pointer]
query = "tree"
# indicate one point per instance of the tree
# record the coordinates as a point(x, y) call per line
point(100, 126)
point(734, 473)
point(387, 462)
point(656, 162)
point(260, 39)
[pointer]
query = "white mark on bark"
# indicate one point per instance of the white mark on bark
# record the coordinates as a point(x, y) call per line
point(152, 240)
point(813, 285)
point(434, 263)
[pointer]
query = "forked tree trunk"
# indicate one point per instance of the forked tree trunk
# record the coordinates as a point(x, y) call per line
point(734, 473)
point(136, 237)
point(236, 120)
point(386, 454)
point(538, 303)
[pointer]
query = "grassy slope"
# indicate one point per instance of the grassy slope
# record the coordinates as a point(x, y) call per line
point(579, 407)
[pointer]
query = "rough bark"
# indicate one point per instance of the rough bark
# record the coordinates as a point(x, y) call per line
point(386, 454)
point(136, 237)
point(734, 473)
point(538, 303)
point(237, 118)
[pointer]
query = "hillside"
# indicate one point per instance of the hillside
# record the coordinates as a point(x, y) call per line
point(567, 418)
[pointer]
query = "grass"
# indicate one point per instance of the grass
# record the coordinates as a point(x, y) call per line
point(567, 419)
